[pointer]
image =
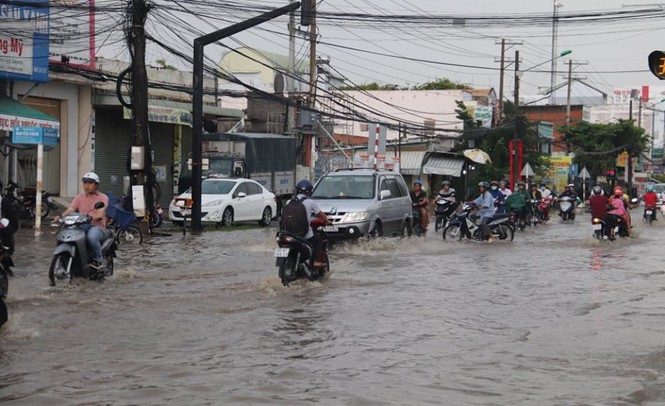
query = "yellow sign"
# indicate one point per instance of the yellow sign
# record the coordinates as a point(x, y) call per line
point(558, 161)
point(622, 159)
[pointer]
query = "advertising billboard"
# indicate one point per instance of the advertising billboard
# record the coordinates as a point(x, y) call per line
point(72, 34)
point(24, 40)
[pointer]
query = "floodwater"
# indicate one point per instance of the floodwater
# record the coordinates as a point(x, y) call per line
point(553, 318)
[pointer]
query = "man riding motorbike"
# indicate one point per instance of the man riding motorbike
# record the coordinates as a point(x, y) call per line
point(84, 203)
point(499, 198)
point(569, 191)
point(485, 204)
point(304, 190)
point(650, 200)
point(447, 192)
point(599, 204)
point(535, 194)
point(7, 233)
point(420, 202)
point(516, 203)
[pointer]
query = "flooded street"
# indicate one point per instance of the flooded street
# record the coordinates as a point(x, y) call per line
point(553, 318)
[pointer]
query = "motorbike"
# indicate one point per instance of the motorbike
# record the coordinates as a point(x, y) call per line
point(463, 225)
point(649, 214)
point(289, 256)
point(72, 258)
point(4, 280)
point(443, 210)
point(25, 202)
point(566, 208)
point(601, 230)
point(417, 223)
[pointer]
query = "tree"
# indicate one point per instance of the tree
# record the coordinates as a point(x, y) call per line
point(164, 65)
point(442, 84)
point(597, 146)
point(374, 86)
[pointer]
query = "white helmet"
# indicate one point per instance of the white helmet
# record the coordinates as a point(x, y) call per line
point(90, 177)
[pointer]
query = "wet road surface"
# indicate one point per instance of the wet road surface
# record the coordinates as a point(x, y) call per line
point(553, 318)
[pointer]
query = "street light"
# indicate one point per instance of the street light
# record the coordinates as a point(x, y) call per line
point(563, 53)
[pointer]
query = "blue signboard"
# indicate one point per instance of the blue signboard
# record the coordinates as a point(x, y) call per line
point(34, 135)
point(24, 40)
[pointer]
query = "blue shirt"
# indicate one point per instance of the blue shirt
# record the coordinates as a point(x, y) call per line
point(486, 203)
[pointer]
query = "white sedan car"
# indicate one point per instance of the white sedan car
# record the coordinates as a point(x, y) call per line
point(226, 201)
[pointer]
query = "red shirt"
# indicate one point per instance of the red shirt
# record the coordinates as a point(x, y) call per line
point(85, 204)
point(650, 199)
point(598, 205)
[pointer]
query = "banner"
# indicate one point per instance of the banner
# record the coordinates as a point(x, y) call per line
point(560, 171)
point(162, 114)
point(24, 40)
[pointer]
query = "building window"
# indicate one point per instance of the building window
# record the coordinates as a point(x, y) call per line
point(364, 127)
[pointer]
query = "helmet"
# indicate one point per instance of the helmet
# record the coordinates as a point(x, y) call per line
point(571, 186)
point(650, 188)
point(90, 177)
point(520, 183)
point(304, 186)
point(533, 185)
point(494, 182)
point(418, 182)
point(597, 190)
point(445, 182)
point(542, 184)
point(618, 192)
point(484, 184)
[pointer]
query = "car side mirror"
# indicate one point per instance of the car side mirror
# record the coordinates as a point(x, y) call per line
point(241, 195)
point(384, 194)
point(99, 205)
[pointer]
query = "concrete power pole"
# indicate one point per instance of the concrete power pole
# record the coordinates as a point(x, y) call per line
point(141, 136)
point(505, 62)
point(312, 56)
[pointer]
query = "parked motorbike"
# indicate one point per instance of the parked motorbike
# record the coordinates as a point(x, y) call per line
point(4, 280)
point(463, 225)
point(25, 203)
point(289, 256)
point(567, 208)
point(71, 258)
point(443, 211)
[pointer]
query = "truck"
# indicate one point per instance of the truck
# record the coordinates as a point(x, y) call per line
point(269, 159)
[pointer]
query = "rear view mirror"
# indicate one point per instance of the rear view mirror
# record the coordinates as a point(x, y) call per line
point(99, 205)
point(385, 194)
point(242, 194)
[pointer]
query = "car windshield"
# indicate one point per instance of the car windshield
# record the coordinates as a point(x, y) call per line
point(215, 187)
point(345, 187)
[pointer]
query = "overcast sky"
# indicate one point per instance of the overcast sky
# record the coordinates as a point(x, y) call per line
point(604, 46)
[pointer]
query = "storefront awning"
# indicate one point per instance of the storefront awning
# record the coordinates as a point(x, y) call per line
point(109, 100)
point(411, 162)
point(16, 114)
point(438, 165)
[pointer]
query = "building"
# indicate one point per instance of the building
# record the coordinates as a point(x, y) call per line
point(549, 119)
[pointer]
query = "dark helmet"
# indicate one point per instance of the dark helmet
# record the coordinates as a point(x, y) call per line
point(445, 182)
point(418, 182)
point(304, 186)
point(597, 190)
point(484, 184)
point(494, 183)
point(533, 185)
point(520, 183)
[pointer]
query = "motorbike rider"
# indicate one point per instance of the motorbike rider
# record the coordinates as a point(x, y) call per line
point(485, 204)
point(503, 187)
point(420, 202)
point(650, 200)
point(544, 190)
point(516, 202)
point(499, 198)
point(535, 194)
point(7, 233)
point(447, 192)
point(569, 191)
point(618, 191)
point(619, 208)
point(599, 204)
point(84, 203)
point(304, 190)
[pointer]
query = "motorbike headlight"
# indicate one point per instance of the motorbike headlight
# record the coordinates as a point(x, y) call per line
point(213, 203)
point(355, 216)
point(70, 220)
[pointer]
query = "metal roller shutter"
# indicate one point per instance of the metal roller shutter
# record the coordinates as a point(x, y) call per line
point(111, 148)
point(161, 136)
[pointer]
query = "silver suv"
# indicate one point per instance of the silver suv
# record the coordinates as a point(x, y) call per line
point(363, 202)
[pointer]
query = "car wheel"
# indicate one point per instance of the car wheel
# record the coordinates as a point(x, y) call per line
point(227, 217)
point(266, 217)
point(376, 232)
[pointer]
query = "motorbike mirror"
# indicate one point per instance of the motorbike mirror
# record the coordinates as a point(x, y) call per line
point(4, 222)
point(99, 205)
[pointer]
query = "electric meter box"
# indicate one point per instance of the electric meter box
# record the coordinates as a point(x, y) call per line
point(137, 162)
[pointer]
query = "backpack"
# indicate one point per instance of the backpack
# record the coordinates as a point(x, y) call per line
point(294, 217)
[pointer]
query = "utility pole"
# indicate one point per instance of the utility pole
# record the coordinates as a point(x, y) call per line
point(503, 61)
point(516, 170)
point(555, 33)
point(312, 56)
point(141, 135)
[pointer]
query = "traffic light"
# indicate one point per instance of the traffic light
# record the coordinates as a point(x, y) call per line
point(610, 174)
point(657, 64)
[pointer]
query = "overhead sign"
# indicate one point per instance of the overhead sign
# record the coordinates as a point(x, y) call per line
point(162, 114)
point(484, 115)
point(34, 135)
point(24, 40)
point(657, 64)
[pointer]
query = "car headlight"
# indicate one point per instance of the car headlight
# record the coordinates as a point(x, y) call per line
point(213, 203)
point(355, 216)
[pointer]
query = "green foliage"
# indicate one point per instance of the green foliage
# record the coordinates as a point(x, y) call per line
point(164, 65)
point(442, 84)
point(597, 146)
point(374, 86)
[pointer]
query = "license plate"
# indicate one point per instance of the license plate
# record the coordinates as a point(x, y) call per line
point(282, 252)
point(649, 212)
point(185, 212)
point(597, 226)
point(331, 229)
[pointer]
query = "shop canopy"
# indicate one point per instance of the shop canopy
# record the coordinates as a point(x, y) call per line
point(445, 166)
point(16, 114)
